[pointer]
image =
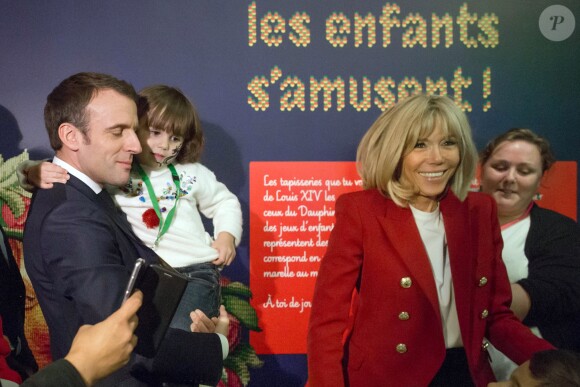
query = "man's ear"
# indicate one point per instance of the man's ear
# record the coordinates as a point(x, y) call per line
point(70, 136)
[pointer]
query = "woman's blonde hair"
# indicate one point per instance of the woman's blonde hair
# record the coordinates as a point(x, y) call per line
point(394, 135)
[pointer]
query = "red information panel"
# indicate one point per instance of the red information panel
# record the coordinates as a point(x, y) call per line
point(292, 215)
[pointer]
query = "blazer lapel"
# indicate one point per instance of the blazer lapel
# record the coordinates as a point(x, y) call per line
point(120, 220)
point(105, 201)
point(400, 227)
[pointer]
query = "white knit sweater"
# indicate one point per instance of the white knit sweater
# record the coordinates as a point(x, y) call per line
point(186, 242)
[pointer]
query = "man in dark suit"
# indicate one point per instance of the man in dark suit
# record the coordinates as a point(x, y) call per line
point(79, 250)
point(12, 298)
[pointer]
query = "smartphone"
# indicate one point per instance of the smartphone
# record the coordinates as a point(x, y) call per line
point(139, 265)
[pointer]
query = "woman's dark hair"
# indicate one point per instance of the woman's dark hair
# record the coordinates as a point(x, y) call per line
point(521, 134)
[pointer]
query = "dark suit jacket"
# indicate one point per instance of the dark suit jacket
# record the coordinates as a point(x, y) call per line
point(553, 283)
point(12, 299)
point(374, 245)
point(79, 253)
point(61, 373)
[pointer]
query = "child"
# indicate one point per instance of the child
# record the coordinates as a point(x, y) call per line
point(167, 190)
point(557, 367)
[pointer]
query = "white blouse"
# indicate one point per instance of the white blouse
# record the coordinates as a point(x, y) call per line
point(432, 231)
point(514, 258)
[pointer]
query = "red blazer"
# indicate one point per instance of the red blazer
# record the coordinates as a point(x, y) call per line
point(394, 328)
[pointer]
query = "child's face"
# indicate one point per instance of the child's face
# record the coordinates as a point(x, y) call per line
point(159, 147)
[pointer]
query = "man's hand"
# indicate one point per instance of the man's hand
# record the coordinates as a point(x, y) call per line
point(98, 350)
point(202, 323)
point(45, 174)
point(225, 245)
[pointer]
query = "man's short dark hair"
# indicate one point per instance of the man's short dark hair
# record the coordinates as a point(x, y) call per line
point(68, 101)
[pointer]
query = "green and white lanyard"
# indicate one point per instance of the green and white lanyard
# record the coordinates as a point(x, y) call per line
point(163, 225)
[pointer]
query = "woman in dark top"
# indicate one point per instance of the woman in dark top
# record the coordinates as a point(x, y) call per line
point(541, 247)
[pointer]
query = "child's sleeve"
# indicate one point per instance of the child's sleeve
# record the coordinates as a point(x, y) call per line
point(22, 173)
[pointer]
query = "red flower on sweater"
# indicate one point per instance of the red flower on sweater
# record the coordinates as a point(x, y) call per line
point(150, 218)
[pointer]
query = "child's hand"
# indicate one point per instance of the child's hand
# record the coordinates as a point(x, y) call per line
point(45, 174)
point(225, 245)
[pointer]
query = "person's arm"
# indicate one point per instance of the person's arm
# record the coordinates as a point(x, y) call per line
point(101, 349)
point(33, 174)
point(60, 373)
point(226, 247)
point(88, 269)
point(201, 323)
point(216, 202)
point(331, 303)
point(553, 282)
point(199, 361)
point(219, 325)
point(503, 328)
point(521, 302)
point(97, 350)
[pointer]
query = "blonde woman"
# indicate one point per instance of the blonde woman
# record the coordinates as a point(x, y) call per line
point(424, 259)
